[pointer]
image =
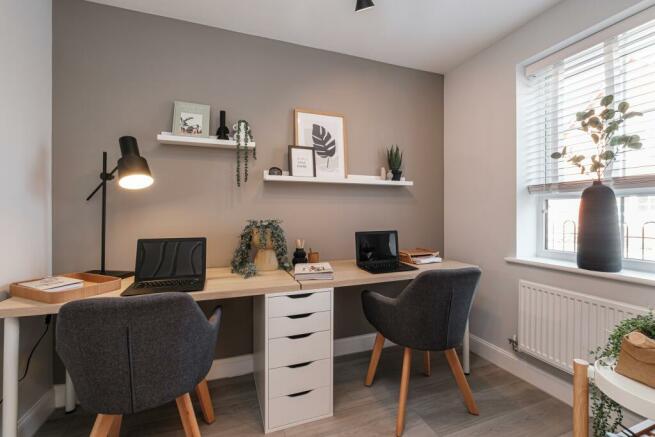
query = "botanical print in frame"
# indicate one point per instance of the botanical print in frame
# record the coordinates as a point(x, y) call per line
point(326, 133)
point(302, 161)
point(191, 119)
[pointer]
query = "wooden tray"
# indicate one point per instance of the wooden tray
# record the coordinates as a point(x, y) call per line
point(93, 285)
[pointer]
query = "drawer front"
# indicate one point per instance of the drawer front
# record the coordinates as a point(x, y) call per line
point(287, 410)
point(303, 303)
point(286, 351)
point(298, 324)
point(288, 380)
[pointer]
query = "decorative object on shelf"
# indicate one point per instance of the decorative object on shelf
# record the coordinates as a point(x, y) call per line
point(389, 175)
point(395, 161)
point(383, 173)
point(325, 132)
point(223, 132)
point(313, 257)
point(599, 236)
point(275, 171)
point(133, 174)
point(637, 358)
point(607, 414)
point(299, 256)
point(302, 161)
point(191, 119)
point(251, 237)
point(243, 136)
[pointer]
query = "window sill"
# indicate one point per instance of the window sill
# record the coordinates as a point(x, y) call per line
point(631, 276)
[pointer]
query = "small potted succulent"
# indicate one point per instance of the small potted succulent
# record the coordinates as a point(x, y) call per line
point(395, 161)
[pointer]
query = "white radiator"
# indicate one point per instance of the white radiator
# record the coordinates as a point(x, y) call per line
point(558, 325)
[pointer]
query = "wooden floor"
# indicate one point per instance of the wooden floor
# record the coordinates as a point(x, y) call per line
point(509, 407)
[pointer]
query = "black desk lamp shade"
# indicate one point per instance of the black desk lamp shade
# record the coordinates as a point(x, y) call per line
point(133, 174)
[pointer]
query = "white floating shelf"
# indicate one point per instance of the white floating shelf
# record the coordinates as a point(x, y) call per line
point(182, 140)
point(350, 179)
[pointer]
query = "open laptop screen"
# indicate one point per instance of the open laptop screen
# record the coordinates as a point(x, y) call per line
point(377, 246)
point(167, 258)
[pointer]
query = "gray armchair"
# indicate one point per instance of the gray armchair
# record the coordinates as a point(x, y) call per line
point(127, 355)
point(429, 315)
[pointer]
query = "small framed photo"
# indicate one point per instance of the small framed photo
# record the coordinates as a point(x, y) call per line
point(326, 133)
point(302, 161)
point(191, 119)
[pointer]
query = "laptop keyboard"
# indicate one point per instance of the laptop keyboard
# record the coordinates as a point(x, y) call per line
point(166, 283)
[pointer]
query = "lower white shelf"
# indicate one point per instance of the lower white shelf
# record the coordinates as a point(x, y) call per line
point(180, 140)
point(350, 179)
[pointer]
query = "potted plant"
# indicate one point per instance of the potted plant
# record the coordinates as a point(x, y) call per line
point(267, 237)
point(599, 237)
point(395, 161)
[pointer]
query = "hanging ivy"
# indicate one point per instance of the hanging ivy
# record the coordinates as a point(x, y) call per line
point(243, 137)
point(241, 262)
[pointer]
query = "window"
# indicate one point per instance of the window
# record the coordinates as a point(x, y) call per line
point(621, 64)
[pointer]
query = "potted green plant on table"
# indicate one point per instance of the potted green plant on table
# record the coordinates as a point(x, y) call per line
point(599, 237)
point(267, 237)
point(395, 161)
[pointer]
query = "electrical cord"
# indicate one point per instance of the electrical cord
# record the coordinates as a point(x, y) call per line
point(48, 319)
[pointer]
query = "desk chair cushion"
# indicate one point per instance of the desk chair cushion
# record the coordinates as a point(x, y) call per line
point(126, 355)
point(430, 313)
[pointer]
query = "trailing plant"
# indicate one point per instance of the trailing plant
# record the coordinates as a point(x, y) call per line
point(602, 124)
point(394, 158)
point(607, 414)
point(243, 136)
point(241, 262)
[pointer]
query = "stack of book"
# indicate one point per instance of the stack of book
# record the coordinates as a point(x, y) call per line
point(54, 283)
point(313, 271)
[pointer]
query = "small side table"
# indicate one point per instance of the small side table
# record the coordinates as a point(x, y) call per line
point(632, 395)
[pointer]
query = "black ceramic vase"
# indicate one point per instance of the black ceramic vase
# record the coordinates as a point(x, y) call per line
point(396, 175)
point(599, 236)
point(223, 132)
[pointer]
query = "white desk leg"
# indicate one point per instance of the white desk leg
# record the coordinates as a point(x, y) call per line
point(10, 378)
point(70, 401)
point(466, 362)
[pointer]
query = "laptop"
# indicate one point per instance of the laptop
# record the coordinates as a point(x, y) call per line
point(169, 264)
point(377, 252)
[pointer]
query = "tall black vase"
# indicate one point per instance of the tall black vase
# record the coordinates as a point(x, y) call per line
point(599, 236)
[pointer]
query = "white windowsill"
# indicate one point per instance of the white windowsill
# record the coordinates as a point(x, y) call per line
point(631, 276)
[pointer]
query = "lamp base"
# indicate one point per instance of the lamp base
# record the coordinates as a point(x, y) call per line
point(116, 273)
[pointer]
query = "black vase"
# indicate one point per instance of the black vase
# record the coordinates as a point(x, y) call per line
point(396, 175)
point(599, 236)
point(222, 133)
point(299, 256)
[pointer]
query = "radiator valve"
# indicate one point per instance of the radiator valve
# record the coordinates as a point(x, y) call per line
point(514, 341)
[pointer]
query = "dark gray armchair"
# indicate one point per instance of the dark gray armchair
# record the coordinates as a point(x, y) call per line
point(429, 315)
point(127, 355)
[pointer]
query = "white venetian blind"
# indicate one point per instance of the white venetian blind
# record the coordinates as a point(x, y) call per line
point(622, 65)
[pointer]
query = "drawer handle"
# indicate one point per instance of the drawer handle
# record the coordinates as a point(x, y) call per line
point(302, 393)
point(296, 337)
point(300, 316)
point(299, 296)
point(295, 366)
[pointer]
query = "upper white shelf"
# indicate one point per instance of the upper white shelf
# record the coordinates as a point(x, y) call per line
point(182, 140)
point(350, 179)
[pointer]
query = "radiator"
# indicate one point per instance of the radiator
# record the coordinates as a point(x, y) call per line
point(557, 325)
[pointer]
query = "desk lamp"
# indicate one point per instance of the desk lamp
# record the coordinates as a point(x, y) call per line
point(133, 174)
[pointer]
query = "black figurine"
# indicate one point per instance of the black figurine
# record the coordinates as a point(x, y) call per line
point(223, 131)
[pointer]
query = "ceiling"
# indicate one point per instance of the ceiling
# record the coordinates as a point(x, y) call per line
point(430, 35)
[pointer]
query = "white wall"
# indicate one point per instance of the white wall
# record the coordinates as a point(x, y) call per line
point(480, 161)
point(25, 172)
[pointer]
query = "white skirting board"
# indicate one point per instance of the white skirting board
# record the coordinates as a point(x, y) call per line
point(36, 416)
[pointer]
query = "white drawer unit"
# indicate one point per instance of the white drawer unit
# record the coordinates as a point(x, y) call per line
point(293, 357)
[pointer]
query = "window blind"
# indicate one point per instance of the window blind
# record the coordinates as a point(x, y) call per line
point(623, 66)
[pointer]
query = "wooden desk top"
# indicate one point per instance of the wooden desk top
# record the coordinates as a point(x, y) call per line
point(346, 273)
point(221, 284)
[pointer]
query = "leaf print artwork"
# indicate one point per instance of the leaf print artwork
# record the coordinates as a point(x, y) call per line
point(324, 144)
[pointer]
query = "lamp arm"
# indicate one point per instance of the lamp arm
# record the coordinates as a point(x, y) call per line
point(105, 177)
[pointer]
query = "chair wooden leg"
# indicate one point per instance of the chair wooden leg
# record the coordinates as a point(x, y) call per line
point(115, 430)
point(104, 425)
point(462, 383)
point(580, 398)
point(187, 415)
point(427, 369)
point(206, 405)
point(404, 388)
point(375, 359)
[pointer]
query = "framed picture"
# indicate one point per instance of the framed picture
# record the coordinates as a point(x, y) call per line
point(191, 119)
point(302, 161)
point(326, 133)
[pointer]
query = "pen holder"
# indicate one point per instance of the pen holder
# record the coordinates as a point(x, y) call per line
point(313, 256)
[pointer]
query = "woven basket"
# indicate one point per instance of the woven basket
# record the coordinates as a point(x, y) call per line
point(637, 358)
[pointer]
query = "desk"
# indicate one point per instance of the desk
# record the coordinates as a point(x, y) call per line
point(220, 284)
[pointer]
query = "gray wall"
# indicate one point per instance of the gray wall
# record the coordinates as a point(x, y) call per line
point(25, 123)
point(117, 72)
